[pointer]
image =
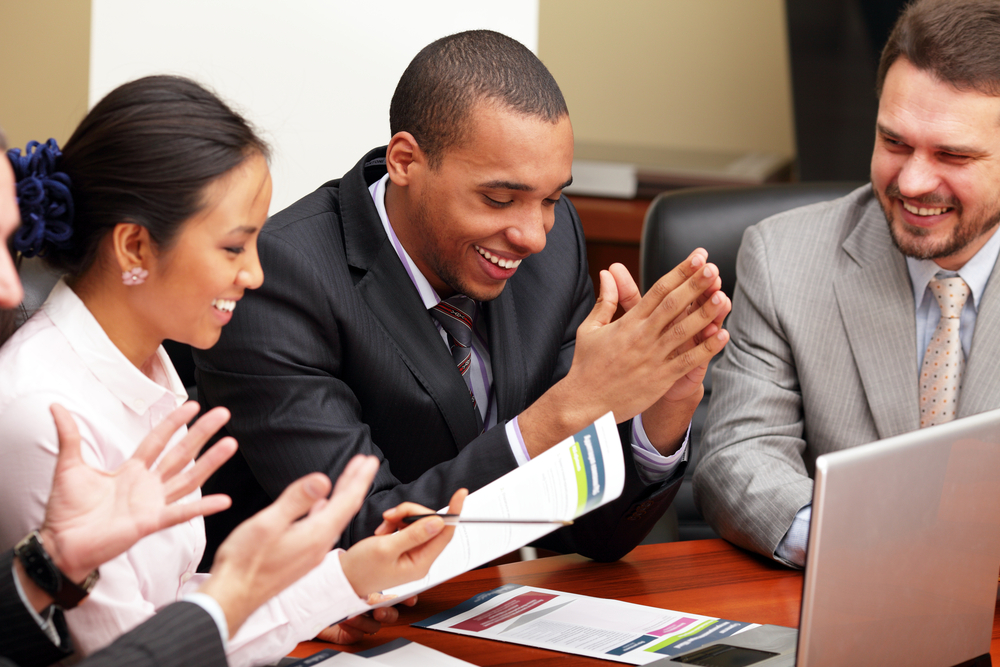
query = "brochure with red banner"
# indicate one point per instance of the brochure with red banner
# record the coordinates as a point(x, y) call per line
point(608, 629)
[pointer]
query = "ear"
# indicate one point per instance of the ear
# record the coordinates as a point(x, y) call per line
point(132, 245)
point(403, 159)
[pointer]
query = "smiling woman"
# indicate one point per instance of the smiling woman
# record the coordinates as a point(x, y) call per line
point(152, 212)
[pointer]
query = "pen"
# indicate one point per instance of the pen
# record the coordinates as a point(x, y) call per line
point(455, 519)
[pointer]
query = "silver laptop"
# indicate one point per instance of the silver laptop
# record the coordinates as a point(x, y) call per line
point(904, 549)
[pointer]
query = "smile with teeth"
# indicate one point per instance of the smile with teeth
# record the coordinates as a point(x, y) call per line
point(916, 210)
point(225, 305)
point(499, 261)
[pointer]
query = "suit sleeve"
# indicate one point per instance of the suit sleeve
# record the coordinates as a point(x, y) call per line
point(752, 478)
point(180, 635)
point(21, 640)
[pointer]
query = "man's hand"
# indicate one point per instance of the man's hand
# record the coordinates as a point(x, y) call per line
point(666, 421)
point(658, 350)
point(398, 553)
point(93, 516)
point(355, 628)
point(275, 548)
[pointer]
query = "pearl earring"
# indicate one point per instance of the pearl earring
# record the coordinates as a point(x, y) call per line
point(135, 276)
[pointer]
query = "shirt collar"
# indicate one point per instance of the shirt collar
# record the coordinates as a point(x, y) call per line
point(103, 358)
point(975, 273)
point(427, 293)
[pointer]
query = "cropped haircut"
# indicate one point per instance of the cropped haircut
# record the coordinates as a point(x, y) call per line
point(146, 154)
point(437, 93)
point(956, 40)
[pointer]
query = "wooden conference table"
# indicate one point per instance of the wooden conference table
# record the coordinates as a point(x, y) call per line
point(708, 577)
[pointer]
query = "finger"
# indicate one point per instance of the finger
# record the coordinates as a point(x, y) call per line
point(151, 446)
point(392, 519)
point(69, 436)
point(192, 442)
point(192, 478)
point(385, 615)
point(669, 282)
point(300, 495)
point(677, 333)
point(409, 602)
point(457, 501)
point(698, 355)
point(364, 624)
point(340, 634)
point(628, 291)
point(607, 303)
point(358, 473)
point(171, 515)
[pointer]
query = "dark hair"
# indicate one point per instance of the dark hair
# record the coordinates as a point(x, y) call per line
point(436, 94)
point(956, 40)
point(145, 154)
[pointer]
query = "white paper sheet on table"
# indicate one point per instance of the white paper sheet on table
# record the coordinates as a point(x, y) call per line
point(578, 475)
point(398, 653)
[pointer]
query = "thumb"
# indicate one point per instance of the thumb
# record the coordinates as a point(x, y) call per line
point(416, 534)
point(300, 495)
point(69, 435)
point(607, 303)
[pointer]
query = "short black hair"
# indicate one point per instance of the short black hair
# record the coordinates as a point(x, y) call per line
point(956, 40)
point(146, 153)
point(449, 77)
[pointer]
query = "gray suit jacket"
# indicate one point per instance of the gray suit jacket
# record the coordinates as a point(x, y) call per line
point(182, 635)
point(823, 357)
point(336, 355)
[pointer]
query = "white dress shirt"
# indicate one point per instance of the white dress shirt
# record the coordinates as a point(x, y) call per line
point(63, 355)
point(650, 464)
point(976, 273)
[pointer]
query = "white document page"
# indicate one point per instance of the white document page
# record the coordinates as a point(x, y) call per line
point(595, 627)
point(578, 475)
point(397, 653)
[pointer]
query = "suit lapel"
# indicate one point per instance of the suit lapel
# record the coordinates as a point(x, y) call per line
point(876, 304)
point(981, 386)
point(390, 295)
point(506, 354)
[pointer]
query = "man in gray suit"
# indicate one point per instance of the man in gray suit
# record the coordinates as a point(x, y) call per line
point(873, 315)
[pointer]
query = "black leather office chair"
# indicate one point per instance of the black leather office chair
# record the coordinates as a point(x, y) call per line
point(676, 223)
point(38, 281)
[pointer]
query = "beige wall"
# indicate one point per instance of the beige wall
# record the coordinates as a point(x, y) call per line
point(46, 59)
point(697, 74)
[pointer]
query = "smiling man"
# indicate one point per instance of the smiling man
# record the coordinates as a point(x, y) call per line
point(433, 308)
point(875, 314)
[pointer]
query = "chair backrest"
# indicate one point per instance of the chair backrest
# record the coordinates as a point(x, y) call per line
point(677, 222)
point(713, 218)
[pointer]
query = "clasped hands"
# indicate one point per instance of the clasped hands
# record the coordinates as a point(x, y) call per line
point(651, 361)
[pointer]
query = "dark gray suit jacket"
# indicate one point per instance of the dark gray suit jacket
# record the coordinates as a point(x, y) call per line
point(336, 355)
point(183, 634)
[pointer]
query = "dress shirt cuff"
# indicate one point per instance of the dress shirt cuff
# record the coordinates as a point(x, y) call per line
point(652, 466)
point(214, 609)
point(516, 442)
point(44, 623)
point(792, 548)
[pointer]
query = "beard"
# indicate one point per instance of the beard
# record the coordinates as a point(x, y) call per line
point(914, 241)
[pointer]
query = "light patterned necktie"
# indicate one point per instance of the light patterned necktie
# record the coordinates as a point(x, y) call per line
point(941, 375)
point(456, 314)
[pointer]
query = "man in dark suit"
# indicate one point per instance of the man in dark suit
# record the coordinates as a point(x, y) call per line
point(345, 349)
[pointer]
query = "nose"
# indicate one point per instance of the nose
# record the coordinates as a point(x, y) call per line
point(251, 276)
point(530, 231)
point(918, 177)
point(11, 292)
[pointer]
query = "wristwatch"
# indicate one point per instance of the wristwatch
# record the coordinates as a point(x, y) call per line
point(39, 567)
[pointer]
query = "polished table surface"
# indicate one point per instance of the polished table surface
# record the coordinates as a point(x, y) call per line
point(709, 577)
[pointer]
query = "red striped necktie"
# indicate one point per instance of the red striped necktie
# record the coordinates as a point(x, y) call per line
point(457, 315)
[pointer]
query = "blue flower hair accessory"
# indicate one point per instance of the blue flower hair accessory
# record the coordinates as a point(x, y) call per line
point(44, 198)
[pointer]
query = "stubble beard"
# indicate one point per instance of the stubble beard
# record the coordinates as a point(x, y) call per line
point(910, 240)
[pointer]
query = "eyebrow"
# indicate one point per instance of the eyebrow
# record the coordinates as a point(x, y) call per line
point(960, 150)
point(243, 229)
point(520, 187)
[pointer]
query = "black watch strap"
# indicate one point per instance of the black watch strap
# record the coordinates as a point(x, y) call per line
point(39, 567)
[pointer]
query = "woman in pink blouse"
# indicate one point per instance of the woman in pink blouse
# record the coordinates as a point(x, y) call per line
point(152, 211)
